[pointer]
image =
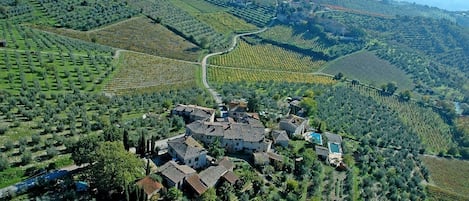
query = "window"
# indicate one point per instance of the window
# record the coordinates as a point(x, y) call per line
point(197, 159)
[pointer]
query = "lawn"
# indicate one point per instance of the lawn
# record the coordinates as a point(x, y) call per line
point(448, 175)
point(367, 67)
point(138, 71)
point(140, 34)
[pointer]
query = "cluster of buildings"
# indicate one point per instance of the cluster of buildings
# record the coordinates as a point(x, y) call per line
point(237, 131)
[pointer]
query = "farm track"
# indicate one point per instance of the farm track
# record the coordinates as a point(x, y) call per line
point(216, 96)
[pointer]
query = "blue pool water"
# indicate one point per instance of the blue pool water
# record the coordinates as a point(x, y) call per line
point(316, 138)
point(334, 148)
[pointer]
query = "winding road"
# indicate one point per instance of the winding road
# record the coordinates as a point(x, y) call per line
point(216, 96)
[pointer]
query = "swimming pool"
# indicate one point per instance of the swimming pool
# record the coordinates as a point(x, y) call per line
point(334, 147)
point(316, 138)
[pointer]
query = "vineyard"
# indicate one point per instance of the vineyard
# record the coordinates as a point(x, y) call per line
point(259, 15)
point(182, 23)
point(137, 34)
point(225, 23)
point(368, 68)
point(215, 16)
point(254, 56)
point(86, 15)
point(223, 74)
point(137, 71)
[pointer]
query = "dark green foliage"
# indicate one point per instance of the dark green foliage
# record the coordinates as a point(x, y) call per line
point(114, 167)
point(173, 194)
point(126, 140)
point(141, 147)
point(389, 88)
point(4, 164)
point(26, 157)
point(75, 15)
point(84, 150)
point(215, 149)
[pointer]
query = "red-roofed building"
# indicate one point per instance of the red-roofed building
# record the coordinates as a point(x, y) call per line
point(150, 187)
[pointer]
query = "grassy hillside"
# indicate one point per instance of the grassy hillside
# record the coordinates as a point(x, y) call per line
point(448, 176)
point(144, 72)
point(142, 35)
point(367, 67)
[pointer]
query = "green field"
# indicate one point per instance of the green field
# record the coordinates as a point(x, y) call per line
point(138, 34)
point(367, 67)
point(449, 175)
point(139, 72)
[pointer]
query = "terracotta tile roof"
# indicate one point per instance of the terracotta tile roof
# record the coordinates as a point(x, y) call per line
point(196, 184)
point(149, 185)
point(230, 177)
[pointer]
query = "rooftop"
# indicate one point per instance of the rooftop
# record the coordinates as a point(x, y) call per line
point(331, 137)
point(175, 172)
point(149, 185)
point(230, 177)
point(211, 175)
point(195, 182)
point(234, 131)
point(280, 135)
point(294, 120)
point(186, 147)
point(225, 162)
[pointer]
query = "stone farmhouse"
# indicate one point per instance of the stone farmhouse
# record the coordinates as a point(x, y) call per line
point(188, 151)
point(174, 174)
point(192, 113)
point(233, 136)
point(294, 125)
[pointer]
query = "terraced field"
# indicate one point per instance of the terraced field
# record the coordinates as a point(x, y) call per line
point(254, 56)
point(142, 72)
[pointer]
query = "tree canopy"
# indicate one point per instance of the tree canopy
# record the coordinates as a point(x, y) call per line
point(114, 167)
